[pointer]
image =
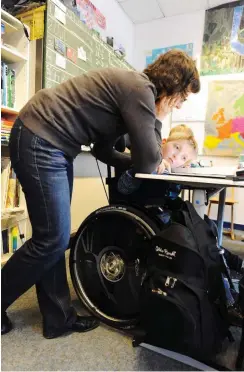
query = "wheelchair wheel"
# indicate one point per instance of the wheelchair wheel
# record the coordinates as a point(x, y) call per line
point(107, 262)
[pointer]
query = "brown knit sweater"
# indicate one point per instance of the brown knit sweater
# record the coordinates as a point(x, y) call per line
point(98, 107)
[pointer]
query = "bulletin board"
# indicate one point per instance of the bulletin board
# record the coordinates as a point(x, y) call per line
point(71, 48)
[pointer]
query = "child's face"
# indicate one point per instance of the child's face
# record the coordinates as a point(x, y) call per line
point(178, 152)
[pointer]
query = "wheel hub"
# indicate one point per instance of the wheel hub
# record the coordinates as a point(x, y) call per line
point(112, 266)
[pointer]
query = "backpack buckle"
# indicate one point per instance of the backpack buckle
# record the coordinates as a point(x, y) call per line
point(170, 282)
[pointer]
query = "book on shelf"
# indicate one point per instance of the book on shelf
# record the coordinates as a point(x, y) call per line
point(7, 85)
point(10, 187)
point(5, 170)
point(5, 242)
point(11, 201)
point(10, 240)
point(6, 125)
point(11, 88)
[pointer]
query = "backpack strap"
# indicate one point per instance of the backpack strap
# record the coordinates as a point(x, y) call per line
point(194, 219)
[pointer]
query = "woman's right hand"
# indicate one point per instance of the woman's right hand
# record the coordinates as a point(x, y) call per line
point(163, 107)
point(166, 105)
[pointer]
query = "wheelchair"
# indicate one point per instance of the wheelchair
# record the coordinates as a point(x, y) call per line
point(107, 256)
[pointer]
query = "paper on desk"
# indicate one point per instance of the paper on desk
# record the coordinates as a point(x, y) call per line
point(209, 171)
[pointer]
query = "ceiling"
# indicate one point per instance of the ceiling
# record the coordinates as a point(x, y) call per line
point(140, 11)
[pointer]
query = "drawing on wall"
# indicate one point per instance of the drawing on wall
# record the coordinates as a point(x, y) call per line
point(224, 126)
point(223, 41)
point(188, 48)
point(90, 15)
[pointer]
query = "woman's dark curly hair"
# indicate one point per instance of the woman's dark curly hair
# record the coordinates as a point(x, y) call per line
point(173, 72)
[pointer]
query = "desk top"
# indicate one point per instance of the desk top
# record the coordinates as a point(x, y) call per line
point(197, 182)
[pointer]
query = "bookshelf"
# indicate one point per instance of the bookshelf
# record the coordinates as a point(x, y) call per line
point(15, 70)
point(10, 211)
point(15, 53)
point(9, 110)
point(11, 56)
point(5, 258)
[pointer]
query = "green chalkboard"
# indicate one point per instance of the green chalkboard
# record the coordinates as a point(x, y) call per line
point(64, 31)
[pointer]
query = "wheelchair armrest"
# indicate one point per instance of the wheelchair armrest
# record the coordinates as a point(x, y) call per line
point(149, 193)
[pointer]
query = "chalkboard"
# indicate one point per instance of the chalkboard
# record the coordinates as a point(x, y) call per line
point(71, 48)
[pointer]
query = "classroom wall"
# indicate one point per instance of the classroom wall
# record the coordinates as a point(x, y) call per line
point(118, 25)
point(88, 195)
point(183, 29)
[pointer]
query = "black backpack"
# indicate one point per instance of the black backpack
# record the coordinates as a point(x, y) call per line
point(240, 357)
point(182, 300)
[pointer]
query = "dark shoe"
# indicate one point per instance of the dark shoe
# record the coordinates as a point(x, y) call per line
point(85, 324)
point(235, 315)
point(82, 324)
point(6, 324)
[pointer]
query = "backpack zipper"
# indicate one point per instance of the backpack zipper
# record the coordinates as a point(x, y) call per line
point(159, 291)
point(168, 280)
point(170, 283)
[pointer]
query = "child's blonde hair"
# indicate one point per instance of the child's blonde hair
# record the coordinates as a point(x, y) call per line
point(182, 132)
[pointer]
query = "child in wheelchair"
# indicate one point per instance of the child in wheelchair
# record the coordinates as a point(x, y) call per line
point(180, 149)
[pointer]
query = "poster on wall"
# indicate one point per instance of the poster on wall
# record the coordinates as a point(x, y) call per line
point(88, 14)
point(223, 40)
point(188, 48)
point(224, 126)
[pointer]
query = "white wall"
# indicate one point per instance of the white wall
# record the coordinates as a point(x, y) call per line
point(118, 25)
point(183, 29)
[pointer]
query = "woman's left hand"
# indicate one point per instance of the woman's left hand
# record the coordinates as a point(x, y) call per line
point(164, 166)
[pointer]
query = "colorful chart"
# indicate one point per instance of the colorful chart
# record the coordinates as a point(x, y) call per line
point(223, 41)
point(188, 48)
point(224, 127)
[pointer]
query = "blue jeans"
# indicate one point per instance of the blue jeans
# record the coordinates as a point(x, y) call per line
point(46, 177)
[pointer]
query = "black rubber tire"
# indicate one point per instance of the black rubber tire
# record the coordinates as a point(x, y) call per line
point(132, 217)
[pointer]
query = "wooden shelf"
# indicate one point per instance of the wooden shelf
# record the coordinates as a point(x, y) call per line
point(9, 110)
point(8, 26)
point(11, 55)
point(7, 212)
point(10, 20)
point(15, 52)
point(5, 257)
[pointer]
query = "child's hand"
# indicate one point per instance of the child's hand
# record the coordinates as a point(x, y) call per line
point(186, 166)
point(164, 166)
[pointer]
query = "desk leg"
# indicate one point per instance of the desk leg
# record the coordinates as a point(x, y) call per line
point(198, 201)
point(220, 217)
